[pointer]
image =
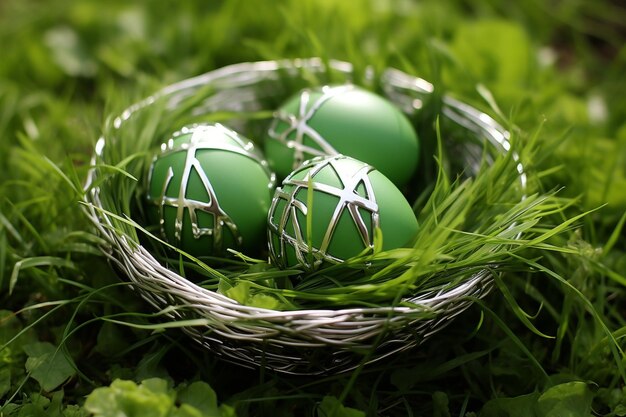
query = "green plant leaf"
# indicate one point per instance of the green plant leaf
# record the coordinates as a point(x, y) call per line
point(36, 407)
point(265, 301)
point(240, 292)
point(48, 365)
point(55, 407)
point(571, 399)
point(74, 411)
point(332, 407)
point(441, 404)
point(154, 398)
point(126, 398)
point(156, 385)
point(12, 335)
point(200, 396)
point(5, 379)
point(522, 406)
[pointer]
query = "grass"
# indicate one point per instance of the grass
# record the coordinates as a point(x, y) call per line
point(548, 339)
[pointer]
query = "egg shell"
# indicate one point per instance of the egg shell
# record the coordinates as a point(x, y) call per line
point(344, 120)
point(209, 189)
point(326, 211)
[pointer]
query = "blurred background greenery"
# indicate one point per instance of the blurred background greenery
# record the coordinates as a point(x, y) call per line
point(66, 64)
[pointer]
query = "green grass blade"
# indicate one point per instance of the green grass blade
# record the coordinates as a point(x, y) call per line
point(35, 262)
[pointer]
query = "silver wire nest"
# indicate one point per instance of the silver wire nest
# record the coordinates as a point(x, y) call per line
point(322, 341)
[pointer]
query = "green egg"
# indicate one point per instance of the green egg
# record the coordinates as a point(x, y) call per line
point(327, 210)
point(344, 120)
point(209, 189)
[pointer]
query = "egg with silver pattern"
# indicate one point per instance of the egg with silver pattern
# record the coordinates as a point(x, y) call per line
point(343, 119)
point(328, 210)
point(209, 189)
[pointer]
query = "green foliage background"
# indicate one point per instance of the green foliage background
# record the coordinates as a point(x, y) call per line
point(66, 64)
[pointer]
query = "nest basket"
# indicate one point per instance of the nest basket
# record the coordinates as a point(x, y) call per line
point(312, 342)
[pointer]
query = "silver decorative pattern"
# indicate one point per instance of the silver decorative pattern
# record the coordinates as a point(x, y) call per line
point(310, 258)
point(309, 342)
point(298, 125)
point(200, 140)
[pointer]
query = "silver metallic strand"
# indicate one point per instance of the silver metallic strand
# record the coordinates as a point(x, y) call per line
point(298, 124)
point(159, 201)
